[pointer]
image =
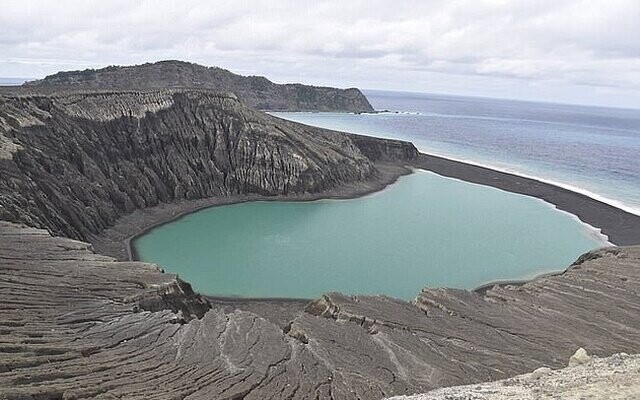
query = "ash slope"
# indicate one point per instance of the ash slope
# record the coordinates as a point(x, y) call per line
point(74, 163)
point(255, 91)
point(75, 324)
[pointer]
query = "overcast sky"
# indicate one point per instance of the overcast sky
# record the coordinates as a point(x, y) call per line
point(576, 51)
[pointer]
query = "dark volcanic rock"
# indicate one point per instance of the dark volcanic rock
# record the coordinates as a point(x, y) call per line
point(74, 324)
point(377, 149)
point(75, 163)
point(255, 91)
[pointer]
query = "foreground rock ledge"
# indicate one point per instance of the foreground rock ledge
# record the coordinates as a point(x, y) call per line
point(75, 324)
point(615, 377)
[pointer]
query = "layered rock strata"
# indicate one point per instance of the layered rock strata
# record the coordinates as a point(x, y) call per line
point(255, 91)
point(75, 324)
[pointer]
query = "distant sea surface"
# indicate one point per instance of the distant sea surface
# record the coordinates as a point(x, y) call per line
point(13, 81)
point(592, 150)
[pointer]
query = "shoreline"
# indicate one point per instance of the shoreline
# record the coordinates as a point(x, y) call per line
point(622, 228)
point(507, 170)
point(589, 230)
point(615, 225)
point(576, 189)
point(117, 241)
point(134, 319)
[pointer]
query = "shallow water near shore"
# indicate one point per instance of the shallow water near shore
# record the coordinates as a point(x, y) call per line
point(424, 230)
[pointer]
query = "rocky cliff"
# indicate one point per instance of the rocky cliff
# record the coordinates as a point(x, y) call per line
point(255, 91)
point(75, 163)
point(75, 324)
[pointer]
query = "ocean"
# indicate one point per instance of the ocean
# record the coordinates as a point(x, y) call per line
point(591, 150)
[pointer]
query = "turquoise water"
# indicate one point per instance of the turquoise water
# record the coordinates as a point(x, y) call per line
point(425, 230)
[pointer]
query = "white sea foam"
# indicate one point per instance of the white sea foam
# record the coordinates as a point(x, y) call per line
point(395, 113)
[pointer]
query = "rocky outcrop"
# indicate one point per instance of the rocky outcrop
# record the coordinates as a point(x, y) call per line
point(255, 91)
point(74, 324)
point(378, 149)
point(614, 377)
point(75, 163)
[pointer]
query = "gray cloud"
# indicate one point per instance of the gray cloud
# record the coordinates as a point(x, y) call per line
point(550, 45)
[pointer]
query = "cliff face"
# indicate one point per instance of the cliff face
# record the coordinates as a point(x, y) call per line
point(75, 163)
point(378, 149)
point(255, 91)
